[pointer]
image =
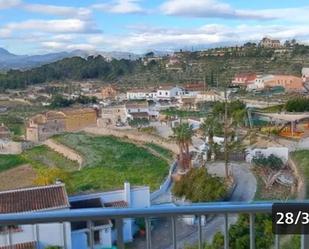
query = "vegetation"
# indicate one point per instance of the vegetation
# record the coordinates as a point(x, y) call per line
point(268, 168)
point(183, 134)
point(297, 105)
point(75, 68)
point(42, 157)
point(239, 234)
point(301, 158)
point(251, 58)
point(10, 161)
point(109, 162)
point(199, 186)
point(211, 127)
point(272, 109)
point(60, 102)
point(174, 112)
point(164, 152)
point(139, 122)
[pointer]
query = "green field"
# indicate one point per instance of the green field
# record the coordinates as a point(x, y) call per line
point(42, 156)
point(109, 162)
point(301, 158)
point(10, 161)
point(164, 152)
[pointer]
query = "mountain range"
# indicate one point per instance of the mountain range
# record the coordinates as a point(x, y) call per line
point(12, 61)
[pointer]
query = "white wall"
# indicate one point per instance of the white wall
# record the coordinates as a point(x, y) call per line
point(281, 152)
point(50, 234)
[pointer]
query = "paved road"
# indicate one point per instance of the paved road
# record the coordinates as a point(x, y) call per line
point(186, 234)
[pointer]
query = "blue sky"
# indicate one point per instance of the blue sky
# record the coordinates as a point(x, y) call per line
point(37, 26)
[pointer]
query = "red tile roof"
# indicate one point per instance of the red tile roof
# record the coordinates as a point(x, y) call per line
point(116, 204)
point(34, 199)
point(27, 245)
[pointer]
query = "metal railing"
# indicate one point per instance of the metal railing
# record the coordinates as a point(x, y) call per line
point(199, 210)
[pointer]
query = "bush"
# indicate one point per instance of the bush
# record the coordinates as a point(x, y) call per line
point(199, 186)
point(273, 162)
point(297, 105)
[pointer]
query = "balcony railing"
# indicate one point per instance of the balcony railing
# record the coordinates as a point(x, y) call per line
point(199, 210)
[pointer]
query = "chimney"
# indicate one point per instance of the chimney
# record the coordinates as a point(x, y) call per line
point(127, 193)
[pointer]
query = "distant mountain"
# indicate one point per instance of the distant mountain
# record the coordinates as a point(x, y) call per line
point(11, 61)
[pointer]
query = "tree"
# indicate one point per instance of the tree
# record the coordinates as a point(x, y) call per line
point(211, 127)
point(139, 122)
point(60, 102)
point(183, 134)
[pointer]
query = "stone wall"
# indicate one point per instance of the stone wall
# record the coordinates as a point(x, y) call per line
point(65, 151)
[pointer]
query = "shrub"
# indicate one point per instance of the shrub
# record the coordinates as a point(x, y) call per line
point(199, 186)
point(273, 162)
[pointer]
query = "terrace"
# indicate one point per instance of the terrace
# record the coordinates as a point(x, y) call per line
point(93, 215)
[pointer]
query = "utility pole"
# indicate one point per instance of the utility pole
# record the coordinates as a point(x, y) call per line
point(226, 156)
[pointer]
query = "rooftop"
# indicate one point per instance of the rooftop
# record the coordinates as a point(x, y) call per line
point(34, 199)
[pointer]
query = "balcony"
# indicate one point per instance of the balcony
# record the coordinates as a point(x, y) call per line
point(92, 215)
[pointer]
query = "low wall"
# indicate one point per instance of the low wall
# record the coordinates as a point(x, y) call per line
point(166, 184)
point(13, 148)
point(65, 151)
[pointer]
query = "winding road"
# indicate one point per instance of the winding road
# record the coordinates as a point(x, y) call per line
point(187, 234)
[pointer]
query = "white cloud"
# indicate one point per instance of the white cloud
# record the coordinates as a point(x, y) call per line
point(7, 4)
point(51, 26)
point(63, 46)
point(120, 7)
point(217, 9)
point(208, 35)
point(57, 10)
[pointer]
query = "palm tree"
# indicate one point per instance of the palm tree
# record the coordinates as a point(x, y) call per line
point(183, 136)
point(211, 127)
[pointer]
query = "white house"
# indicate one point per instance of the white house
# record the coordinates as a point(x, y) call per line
point(169, 92)
point(209, 96)
point(104, 233)
point(47, 198)
point(135, 110)
point(259, 82)
point(139, 94)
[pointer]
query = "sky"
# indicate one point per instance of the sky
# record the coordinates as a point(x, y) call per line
point(139, 26)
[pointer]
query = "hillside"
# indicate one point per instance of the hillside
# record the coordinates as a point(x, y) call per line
point(191, 66)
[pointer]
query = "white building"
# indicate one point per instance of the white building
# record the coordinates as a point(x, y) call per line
point(47, 198)
point(259, 82)
point(139, 94)
point(169, 92)
point(104, 233)
point(209, 96)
